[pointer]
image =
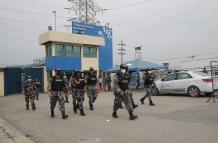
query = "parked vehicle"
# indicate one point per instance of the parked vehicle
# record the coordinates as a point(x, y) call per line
point(185, 82)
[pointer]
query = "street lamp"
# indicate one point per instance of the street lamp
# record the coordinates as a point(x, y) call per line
point(55, 13)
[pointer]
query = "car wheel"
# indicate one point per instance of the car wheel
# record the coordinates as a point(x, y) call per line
point(194, 91)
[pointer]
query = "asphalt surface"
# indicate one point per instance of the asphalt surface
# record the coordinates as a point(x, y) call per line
point(179, 119)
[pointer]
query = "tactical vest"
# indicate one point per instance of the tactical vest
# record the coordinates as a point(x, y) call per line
point(81, 85)
point(37, 83)
point(148, 80)
point(92, 79)
point(57, 84)
point(123, 81)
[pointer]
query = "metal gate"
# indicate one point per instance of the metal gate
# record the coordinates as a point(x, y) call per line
point(12, 81)
point(13, 78)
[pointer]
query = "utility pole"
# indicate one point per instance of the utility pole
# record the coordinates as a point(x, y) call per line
point(122, 50)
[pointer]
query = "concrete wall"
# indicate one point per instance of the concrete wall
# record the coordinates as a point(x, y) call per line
point(2, 83)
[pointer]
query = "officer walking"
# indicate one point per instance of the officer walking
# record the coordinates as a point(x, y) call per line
point(91, 79)
point(37, 86)
point(148, 82)
point(28, 86)
point(122, 92)
point(66, 88)
point(78, 85)
point(57, 86)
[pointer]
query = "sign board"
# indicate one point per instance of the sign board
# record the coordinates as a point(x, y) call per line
point(95, 30)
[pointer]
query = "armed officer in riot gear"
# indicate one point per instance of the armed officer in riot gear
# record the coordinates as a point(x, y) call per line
point(29, 92)
point(57, 87)
point(66, 88)
point(37, 86)
point(122, 92)
point(78, 85)
point(148, 82)
point(92, 81)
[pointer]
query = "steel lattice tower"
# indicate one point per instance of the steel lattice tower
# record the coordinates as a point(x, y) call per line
point(85, 10)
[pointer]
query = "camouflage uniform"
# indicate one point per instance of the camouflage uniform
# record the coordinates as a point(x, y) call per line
point(121, 98)
point(148, 81)
point(56, 90)
point(37, 86)
point(78, 97)
point(122, 94)
point(66, 89)
point(29, 93)
point(91, 80)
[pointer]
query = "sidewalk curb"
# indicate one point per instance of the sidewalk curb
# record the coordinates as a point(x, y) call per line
point(12, 133)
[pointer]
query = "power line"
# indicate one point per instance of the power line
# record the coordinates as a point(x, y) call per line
point(30, 12)
point(129, 5)
point(22, 21)
point(180, 58)
point(42, 4)
point(11, 25)
point(17, 30)
point(142, 21)
point(19, 39)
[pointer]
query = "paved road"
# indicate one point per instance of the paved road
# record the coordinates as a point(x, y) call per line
point(177, 119)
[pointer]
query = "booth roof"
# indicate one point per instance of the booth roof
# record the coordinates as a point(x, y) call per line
point(137, 65)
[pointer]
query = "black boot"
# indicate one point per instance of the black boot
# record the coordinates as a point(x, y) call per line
point(134, 105)
point(33, 108)
point(64, 116)
point(132, 116)
point(75, 108)
point(52, 114)
point(151, 102)
point(114, 115)
point(82, 113)
point(142, 100)
point(27, 107)
point(91, 106)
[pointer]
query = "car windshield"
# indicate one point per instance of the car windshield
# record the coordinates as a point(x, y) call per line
point(201, 73)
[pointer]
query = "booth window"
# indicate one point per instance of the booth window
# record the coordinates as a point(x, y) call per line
point(48, 51)
point(72, 51)
point(59, 50)
point(76, 51)
point(69, 50)
point(90, 52)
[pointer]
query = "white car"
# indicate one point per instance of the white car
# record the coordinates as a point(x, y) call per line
point(186, 82)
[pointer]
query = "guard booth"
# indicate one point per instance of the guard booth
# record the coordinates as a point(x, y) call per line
point(12, 79)
point(68, 51)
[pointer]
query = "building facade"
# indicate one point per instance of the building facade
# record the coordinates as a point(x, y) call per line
point(86, 46)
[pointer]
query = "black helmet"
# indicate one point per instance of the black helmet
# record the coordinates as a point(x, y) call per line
point(123, 66)
point(76, 72)
point(91, 69)
point(58, 72)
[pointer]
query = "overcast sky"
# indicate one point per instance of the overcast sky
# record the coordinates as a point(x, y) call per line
point(168, 30)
